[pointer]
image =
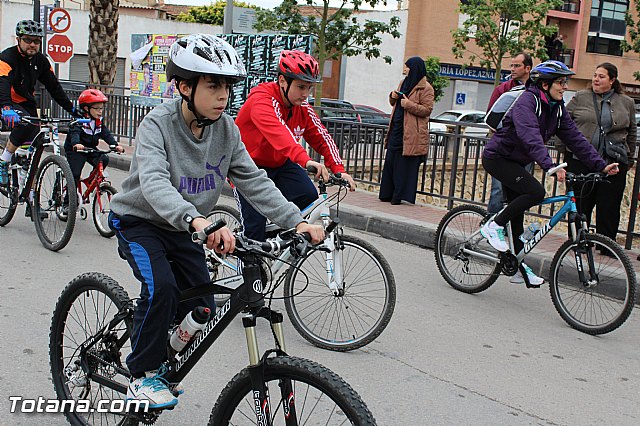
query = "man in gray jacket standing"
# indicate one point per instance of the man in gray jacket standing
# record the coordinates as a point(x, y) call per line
point(184, 151)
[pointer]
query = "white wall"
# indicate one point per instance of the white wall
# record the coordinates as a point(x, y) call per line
point(370, 81)
point(10, 13)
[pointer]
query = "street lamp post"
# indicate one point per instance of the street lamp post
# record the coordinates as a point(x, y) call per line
point(227, 27)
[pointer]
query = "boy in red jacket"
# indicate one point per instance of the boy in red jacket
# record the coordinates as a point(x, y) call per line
point(272, 121)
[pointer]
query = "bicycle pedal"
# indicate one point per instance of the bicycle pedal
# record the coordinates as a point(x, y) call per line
point(534, 285)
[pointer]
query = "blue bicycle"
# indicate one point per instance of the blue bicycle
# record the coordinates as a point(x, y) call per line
point(591, 279)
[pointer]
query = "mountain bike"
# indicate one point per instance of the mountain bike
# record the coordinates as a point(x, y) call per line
point(340, 297)
point(592, 281)
point(97, 185)
point(42, 185)
point(90, 338)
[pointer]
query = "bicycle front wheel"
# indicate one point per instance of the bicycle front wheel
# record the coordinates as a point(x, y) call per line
point(227, 213)
point(85, 306)
point(457, 235)
point(8, 200)
point(362, 309)
point(102, 208)
point(319, 397)
point(603, 304)
point(54, 223)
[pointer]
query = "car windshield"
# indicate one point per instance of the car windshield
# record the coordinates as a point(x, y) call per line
point(448, 115)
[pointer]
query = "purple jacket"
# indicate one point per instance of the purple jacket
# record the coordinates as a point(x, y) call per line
point(523, 134)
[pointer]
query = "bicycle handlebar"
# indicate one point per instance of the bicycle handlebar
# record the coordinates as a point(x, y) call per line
point(45, 120)
point(334, 179)
point(552, 171)
point(112, 148)
point(283, 241)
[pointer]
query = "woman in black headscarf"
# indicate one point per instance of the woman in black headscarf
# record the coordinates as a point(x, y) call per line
point(407, 140)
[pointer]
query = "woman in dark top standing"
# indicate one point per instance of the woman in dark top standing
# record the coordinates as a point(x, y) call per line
point(407, 140)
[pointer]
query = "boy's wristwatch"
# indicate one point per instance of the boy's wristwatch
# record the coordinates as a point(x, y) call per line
point(189, 219)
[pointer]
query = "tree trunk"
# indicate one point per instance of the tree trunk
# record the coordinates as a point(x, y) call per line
point(103, 41)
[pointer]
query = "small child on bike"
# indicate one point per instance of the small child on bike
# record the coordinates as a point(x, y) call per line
point(538, 115)
point(184, 151)
point(91, 104)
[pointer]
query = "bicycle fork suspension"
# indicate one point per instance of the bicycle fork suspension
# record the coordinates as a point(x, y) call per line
point(333, 265)
point(260, 393)
point(583, 247)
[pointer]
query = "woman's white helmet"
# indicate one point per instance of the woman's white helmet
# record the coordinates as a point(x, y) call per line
point(200, 54)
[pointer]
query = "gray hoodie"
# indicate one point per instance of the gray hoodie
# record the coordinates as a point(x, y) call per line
point(173, 174)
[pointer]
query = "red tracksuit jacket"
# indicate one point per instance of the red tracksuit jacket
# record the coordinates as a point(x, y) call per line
point(272, 132)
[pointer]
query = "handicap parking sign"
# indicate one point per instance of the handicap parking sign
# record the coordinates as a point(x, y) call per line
point(461, 98)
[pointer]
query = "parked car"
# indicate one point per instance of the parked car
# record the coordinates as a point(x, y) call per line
point(340, 113)
point(338, 108)
point(461, 116)
point(372, 115)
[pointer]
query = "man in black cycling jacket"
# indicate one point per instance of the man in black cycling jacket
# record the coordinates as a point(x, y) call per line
point(21, 66)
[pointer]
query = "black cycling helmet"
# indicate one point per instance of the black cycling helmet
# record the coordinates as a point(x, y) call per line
point(549, 71)
point(29, 27)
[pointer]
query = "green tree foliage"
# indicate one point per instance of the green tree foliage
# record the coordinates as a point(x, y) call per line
point(633, 28)
point(501, 28)
point(434, 78)
point(337, 31)
point(212, 14)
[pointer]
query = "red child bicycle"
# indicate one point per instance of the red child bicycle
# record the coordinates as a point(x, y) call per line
point(96, 184)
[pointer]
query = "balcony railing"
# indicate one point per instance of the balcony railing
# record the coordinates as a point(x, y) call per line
point(571, 6)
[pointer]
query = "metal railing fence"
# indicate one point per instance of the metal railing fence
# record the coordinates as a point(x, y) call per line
point(451, 172)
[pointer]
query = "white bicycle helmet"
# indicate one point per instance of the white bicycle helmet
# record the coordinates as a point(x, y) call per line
point(200, 54)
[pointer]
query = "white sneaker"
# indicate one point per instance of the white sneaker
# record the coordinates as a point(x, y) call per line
point(154, 389)
point(533, 278)
point(495, 235)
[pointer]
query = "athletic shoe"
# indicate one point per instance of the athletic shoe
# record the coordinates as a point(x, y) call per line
point(153, 388)
point(4, 173)
point(533, 278)
point(495, 236)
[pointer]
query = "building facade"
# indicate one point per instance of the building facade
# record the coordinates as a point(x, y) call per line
point(592, 31)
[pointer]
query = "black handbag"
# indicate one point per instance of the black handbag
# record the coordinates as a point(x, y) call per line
point(614, 152)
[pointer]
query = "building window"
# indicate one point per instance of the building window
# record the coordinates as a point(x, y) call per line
point(606, 46)
point(607, 27)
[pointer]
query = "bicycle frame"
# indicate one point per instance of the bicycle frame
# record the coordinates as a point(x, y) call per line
point(317, 211)
point(91, 183)
point(244, 296)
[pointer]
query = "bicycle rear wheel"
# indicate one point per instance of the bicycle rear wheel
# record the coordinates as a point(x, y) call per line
point(606, 304)
point(356, 316)
point(8, 199)
point(320, 397)
point(54, 226)
point(102, 208)
point(458, 230)
point(86, 305)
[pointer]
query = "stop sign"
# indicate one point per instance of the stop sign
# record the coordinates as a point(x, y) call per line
point(60, 48)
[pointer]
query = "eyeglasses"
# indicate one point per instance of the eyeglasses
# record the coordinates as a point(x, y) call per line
point(29, 40)
point(562, 82)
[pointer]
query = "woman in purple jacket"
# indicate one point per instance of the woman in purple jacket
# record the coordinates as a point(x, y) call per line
point(538, 115)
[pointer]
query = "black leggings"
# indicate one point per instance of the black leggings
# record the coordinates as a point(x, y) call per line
point(522, 191)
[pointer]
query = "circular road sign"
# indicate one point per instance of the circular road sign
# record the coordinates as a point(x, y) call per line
point(59, 20)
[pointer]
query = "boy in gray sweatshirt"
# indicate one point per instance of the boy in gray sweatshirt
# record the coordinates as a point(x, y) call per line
point(184, 151)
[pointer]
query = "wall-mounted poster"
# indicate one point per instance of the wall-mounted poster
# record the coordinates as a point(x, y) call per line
point(259, 53)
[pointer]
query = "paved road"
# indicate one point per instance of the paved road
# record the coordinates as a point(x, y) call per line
point(500, 357)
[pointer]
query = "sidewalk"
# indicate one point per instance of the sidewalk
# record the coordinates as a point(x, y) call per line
point(412, 224)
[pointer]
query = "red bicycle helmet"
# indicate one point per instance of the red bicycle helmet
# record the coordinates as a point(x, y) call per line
point(299, 66)
point(91, 96)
